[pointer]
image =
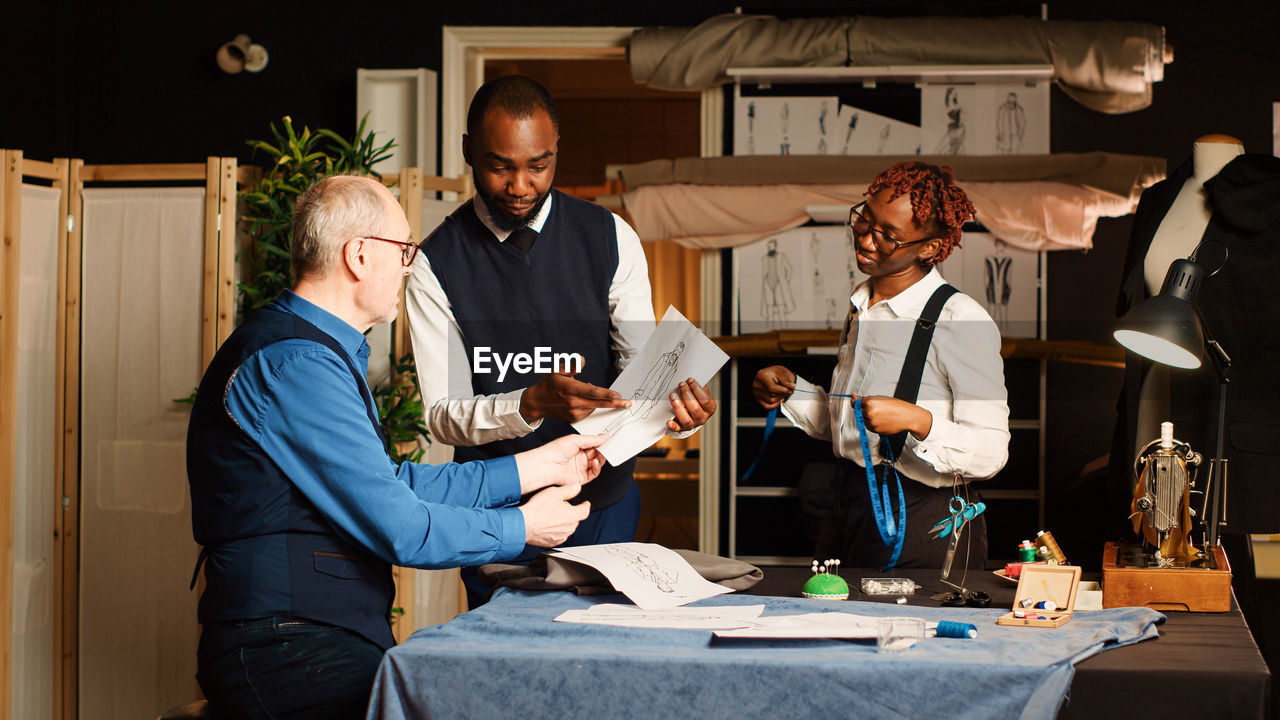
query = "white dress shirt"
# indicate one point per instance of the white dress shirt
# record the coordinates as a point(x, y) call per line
point(962, 385)
point(455, 415)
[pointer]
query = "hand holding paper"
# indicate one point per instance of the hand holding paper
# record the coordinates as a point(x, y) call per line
point(675, 353)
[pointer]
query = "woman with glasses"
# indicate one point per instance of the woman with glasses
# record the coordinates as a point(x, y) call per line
point(918, 392)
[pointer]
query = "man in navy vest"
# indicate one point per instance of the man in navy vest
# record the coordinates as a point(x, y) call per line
point(299, 508)
point(526, 303)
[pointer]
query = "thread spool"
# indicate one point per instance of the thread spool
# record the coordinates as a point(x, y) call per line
point(1026, 551)
point(1047, 605)
point(1048, 548)
point(952, 629)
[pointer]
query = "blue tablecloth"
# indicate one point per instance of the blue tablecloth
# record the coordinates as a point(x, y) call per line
point(509, 659)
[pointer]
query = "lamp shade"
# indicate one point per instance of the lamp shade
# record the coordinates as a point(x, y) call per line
point(1166, 328)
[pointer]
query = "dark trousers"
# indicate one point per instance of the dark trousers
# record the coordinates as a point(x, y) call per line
point(614, 524)
point(850, 533)
point(283, 667)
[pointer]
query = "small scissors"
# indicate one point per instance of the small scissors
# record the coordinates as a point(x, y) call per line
point(961, 513)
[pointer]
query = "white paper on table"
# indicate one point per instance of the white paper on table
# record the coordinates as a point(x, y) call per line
point(652, 576)
point(719, 617)
point(836, 625)
point(674, 352)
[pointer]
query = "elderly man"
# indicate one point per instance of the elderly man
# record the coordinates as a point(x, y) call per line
point(525, 271)
point(300, 510)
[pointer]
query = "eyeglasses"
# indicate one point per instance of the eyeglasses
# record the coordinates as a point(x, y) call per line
point(408, 250)
point(859, 225)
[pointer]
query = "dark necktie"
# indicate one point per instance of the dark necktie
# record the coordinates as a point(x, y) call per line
point(523, 238)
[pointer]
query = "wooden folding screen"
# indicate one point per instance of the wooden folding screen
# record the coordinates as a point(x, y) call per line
point(414, 188)
point(16, 169)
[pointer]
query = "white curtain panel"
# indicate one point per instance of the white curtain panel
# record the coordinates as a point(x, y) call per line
point(33, 502)
point(140, 349)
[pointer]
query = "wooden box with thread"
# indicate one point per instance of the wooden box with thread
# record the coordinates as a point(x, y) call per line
point(1046, 596)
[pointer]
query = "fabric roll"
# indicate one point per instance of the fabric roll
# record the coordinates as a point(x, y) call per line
point(1106, 66)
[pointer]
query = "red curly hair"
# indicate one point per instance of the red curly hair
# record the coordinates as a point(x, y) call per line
point(935, 199)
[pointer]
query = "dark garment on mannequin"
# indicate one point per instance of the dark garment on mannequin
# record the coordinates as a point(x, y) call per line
point(1240, 305)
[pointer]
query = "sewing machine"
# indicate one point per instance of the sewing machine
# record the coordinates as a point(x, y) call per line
point(1164, 570)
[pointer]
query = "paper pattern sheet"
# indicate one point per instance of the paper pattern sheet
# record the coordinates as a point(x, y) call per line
point(836, 625)
point(651, 576)
point(719, 617)
point(675, 351)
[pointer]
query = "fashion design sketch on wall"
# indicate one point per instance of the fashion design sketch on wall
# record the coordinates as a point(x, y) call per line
point(985, 119)
point(952, 142)
point(1011, 126)
point(674, 352)
point(776, 299)
point(997, 280)
point(869, 133)
point(1003, 278)
point(819, 258)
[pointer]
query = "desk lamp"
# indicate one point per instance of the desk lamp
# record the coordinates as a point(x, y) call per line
point(1168, 329)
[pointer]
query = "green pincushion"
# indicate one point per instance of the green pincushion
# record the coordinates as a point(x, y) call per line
point(826, 587)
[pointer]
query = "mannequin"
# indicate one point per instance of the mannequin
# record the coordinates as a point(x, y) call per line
point(1177, 237)
point(1183, 226)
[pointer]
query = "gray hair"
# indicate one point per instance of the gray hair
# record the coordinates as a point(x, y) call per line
point(331, 212)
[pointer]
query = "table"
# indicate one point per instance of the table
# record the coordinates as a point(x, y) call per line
point(507, 659)
point(1205, 665)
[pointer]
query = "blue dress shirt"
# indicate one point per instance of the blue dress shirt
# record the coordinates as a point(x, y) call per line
point(298, 401)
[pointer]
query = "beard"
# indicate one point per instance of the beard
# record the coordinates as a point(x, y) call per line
point(503, 219)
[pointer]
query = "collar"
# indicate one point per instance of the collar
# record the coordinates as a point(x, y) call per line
point(486, 218)
point(351, 339)
point(908, 303)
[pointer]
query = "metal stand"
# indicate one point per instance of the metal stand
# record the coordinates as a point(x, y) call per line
point(1214, 512)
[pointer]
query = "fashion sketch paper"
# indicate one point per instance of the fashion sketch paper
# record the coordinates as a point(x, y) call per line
point(675, 351)
point(651, 576)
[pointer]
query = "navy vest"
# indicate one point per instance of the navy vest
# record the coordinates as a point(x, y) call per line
point(267, 550)
point(555, 297)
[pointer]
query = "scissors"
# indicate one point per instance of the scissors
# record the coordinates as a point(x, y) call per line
point(961, 513)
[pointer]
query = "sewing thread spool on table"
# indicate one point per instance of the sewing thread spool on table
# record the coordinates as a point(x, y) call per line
point(952, 629)
point(1048, 548)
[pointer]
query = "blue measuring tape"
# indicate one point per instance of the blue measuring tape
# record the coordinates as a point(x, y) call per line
point(770, 420)
point(892, 532)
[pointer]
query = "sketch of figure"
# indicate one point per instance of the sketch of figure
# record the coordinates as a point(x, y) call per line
point(751, 118)
point(952, 142)
point(996, 284)
point(647, 568)
point(785, 148)
point(833, 313)
point(785, 114)
point(1011, 126)
point(656, 385)
point(822, 146)
point(884, 138)
point(819, 289)
point(822, 119)
point(848, 134)
point(776, 301)
point(751, 145)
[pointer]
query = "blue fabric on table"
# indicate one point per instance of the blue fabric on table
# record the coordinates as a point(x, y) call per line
point(509, 658)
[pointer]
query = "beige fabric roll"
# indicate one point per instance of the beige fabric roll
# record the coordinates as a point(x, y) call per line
point(1121, 175)
point(1106, 66)
point(1030, 215)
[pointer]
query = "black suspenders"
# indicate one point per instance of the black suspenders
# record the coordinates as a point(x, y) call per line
point(913, 367)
